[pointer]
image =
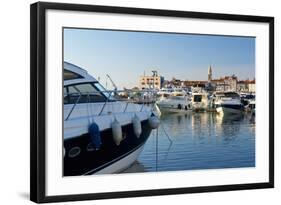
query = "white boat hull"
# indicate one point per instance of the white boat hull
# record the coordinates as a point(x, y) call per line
point(199, 107)
point(230, 111)
point(122, 163)
point(173, 110)
point(174, 105)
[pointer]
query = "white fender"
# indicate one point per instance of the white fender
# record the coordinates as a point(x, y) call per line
point(154, 122)
point(137, 126)
point(116, 131)
point(157, 110)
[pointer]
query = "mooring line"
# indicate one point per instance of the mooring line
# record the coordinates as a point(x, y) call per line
point(157, 149)
point(171, 141)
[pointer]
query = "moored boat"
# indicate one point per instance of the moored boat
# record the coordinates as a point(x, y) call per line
point(200, 101)
point(102, 135)
point(174, 104)
point(228, 103)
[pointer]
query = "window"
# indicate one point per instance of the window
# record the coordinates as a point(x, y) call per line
point(83, 93)
point(64, 92)
point(102, 90)
point(197, 98)
point(68, 75)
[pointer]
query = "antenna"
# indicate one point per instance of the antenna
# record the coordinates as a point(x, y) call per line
point(154, 73)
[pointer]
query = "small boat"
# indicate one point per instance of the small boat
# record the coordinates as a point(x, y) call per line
point(102, 135)
point(228, 103)
point(200, 101)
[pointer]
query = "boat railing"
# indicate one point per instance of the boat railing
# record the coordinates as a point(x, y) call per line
point(147, 97)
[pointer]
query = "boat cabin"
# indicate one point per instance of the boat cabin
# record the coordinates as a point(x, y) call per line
point(80, 87)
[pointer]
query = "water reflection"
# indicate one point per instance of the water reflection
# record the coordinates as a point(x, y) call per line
point(228, 126)
point(199, 141)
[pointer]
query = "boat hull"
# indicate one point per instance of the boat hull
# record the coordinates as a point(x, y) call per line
point(226, 109)
point(109, 158)
point(166, 109)
point(199, 107)
point(123, 163)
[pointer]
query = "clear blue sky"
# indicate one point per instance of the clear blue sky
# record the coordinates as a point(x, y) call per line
point(126, 55)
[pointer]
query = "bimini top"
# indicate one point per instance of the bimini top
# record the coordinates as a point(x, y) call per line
point(73, 74)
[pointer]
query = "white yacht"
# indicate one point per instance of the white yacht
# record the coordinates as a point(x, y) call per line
point(164, 92)
point(174, 103)
point(200, 101)
point(101, 135)
point(228, 103)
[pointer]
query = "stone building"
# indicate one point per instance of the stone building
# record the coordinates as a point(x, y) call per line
point(151, 82)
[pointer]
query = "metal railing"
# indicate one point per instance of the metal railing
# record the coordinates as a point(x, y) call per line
point(147, 97)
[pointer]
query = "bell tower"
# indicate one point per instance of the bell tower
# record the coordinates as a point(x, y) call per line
point(210, 74)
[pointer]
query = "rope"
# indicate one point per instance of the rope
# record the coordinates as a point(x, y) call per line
point(171, 141)
point(156, 150)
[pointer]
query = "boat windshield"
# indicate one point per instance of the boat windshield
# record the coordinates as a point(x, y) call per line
point(232, 95)
point(227, 95)
point(176, 97)
point(86, 93)
point(108, 94)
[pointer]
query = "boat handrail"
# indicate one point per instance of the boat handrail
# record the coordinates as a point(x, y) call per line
point(110, 99)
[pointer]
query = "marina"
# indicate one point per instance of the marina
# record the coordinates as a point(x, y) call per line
point(111, 131)
point(154, 113)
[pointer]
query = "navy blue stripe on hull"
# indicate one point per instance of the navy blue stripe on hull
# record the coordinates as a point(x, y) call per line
point(236, 107)
point(113, 161)
point(92, 161)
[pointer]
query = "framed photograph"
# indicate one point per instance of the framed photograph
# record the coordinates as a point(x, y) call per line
point(129, 102)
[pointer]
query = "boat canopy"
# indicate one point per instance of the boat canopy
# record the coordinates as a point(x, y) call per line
point(74, 74)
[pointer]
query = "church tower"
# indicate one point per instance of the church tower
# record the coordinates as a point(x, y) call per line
point(210, 74)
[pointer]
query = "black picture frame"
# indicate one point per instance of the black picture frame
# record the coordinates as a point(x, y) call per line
point(38, 100)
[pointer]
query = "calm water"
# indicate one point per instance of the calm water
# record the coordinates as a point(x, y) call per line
point(199, 141)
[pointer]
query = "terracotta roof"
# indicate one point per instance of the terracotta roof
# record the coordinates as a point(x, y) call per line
point(247, 81)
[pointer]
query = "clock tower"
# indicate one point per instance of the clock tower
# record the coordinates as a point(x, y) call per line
point(210, 74)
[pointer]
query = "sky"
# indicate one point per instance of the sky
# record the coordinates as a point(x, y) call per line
point(125, 55)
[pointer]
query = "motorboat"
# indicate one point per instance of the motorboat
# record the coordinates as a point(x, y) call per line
point(174, 104)
point(102, 134)
point(228, 103)
point(200, 101)
point(251, 107)
point(164, 92)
